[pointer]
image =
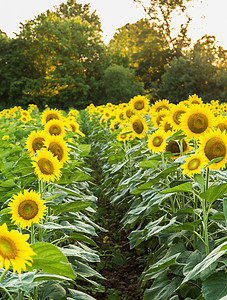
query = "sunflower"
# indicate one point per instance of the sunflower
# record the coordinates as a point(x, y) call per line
point(138, 126)
point(160, 105)
point(214, 144)
point(58, 147)
point(175, 114)
point(55, 127)
point(194, 99)
point(25, 119)
point(158, 117)
point(174, 147)
point(139, 104)
point(193, 164)
point(157, 140)
point(27, 208)
point(47, 166)
point(35, 141)
point(14, 250)
point(221, 122)
point(51, 114)
point(128, 112)
point(165, 124)
point(197, 121)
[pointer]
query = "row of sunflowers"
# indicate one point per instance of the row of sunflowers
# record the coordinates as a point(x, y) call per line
point(164, 165)
point(47, 208)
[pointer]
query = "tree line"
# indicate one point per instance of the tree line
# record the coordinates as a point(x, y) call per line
point(59, 59)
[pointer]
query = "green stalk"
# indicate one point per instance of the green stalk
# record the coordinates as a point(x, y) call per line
point(3, 275)
point(32, 234)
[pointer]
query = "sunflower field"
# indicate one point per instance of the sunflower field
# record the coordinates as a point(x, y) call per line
point(123, 201)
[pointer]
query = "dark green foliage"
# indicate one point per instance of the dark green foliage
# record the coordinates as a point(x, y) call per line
point(119, 84)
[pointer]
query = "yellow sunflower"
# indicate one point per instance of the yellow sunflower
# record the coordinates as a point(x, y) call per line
point(221, 122)
point(194, 99)
point(158, 117)
point(165, 124)
point(157, 141)
point(193, 164)
point(138, 126)
point(35, 141)
point(47, 166)
point(175, 114)
point(25, 119)
point(197, 121)
point(139, 104)
point(58, 147)
point(51, 114)
point(55, 127)
point(27, 208)
point(214, 144)
point(14, 250)
point(160, 105)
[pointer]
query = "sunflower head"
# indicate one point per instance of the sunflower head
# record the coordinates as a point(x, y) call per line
point(47, 166)
point(55, 127)
point(35, 141)
point(58, 147)
point(138, 126)
point(51, 114)
point(193, 164)
point(27, 208)
point(214, 145)
point(139, 104)
point(14, 250)
point(157, 141)
point(174, 146)
point(197, 121)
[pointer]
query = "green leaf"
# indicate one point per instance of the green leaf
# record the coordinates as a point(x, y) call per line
point(184, 187)
point(163, 263)
point(214, 192)
point(145, 164)
point(70, 207)
point(78, 295)
point(206, 262)
point(225, 209)
point(51, 290)
point(199, 179)
point(51, 260)
point(14, 281)
point(215, 287)
point(85, 149)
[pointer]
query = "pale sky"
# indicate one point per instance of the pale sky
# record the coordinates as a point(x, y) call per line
point(114, 14)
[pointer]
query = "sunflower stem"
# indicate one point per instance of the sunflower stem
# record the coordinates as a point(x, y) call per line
point(32, 234)
point(35, 293)
point(205, 214)
point(3, 275)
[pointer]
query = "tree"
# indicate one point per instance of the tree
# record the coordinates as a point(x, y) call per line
point(147, 50)
point(120, 84)
point(69, 57)
point(202, 71)
point(160, 14)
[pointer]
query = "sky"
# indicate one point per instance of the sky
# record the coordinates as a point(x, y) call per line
point(208, 18)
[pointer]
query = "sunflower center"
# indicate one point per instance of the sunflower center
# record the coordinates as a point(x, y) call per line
point(37, 144)
point(177, 115)
point(222, 126)
point(129, 113)
point(214, 148)
point(57, 150)
point(198, 123)
point(28, 209)
point(7, 248)
point(56, 130)
point(194, 164)
point(162, 107)
point(157, 141)
point(160, 118)
point(51, 117)
point(173, 147)
point(73, 127)
point(138, 126)
point(139, 105)
point(46, 167)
